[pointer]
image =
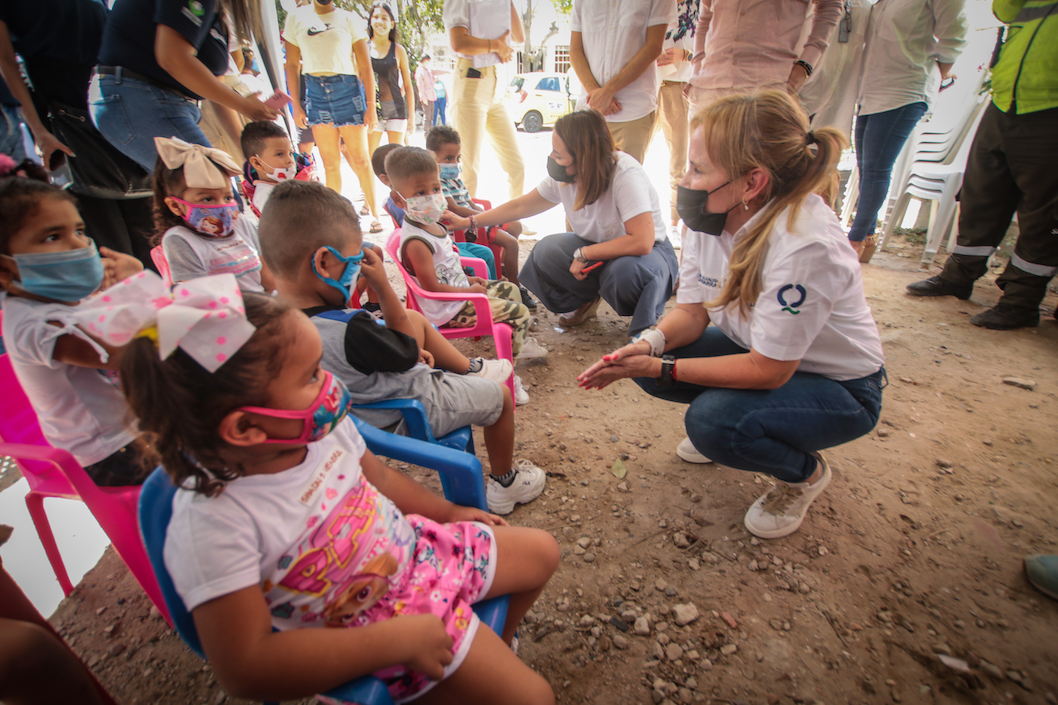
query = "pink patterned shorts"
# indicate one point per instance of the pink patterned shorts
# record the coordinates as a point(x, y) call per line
point(451, 568)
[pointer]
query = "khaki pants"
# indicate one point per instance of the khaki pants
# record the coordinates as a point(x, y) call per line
point(479, 110)
point(633, 137)
point(222, 125)
point(673, 109)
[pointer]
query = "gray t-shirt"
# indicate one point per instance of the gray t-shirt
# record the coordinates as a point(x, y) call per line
point(451, 400)
point(191, 255)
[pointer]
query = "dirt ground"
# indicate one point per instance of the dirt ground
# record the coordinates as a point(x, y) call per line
point(914, 550)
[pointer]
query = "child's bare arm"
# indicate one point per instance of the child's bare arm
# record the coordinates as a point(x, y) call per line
point(394, 314)
point(252, 661)
point(458, 209)
point(418, 255)
point(412, 498)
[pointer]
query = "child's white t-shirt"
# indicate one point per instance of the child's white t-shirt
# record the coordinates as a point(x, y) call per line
point(191, 255)
point(811, 306)
point(261, 191)
point(303, 534)
point(446, 263)
point(80, 409)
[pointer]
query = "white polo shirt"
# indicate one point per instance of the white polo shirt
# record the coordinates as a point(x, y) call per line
point(613, 31)
point(811, 307)
point(630, 194)
point(484, 19)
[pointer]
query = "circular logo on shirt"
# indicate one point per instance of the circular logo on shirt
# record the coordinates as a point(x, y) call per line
point(791, 307)
point(196, 8)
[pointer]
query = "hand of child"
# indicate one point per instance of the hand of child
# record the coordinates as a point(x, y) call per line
point(117, 266)
point(430, 643)
point(426, 357)
point(459, 513)
point(374, 270)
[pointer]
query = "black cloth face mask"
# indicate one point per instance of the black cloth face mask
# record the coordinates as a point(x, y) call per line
point(692, 207)
point(558, 172)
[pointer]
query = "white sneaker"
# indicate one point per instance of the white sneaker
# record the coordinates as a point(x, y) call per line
point(780, 511)
point(521, 397)
point(528, 484)
point(497, 370)
point(532, 350)
point(688, 452)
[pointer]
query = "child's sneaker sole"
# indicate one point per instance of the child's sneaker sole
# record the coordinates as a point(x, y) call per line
point(528, 484)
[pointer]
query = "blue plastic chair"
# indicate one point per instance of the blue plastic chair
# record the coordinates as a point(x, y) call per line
point(462, 482)
point(414, 414)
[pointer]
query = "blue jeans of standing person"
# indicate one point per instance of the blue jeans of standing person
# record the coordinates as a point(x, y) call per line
point(633, 286)
point(439, 111)
point(773, 431)
point(130, 113)
point(11, 140)
point(879, 139)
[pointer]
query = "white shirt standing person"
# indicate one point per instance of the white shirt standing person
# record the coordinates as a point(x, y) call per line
point(792, 363)
point(613, 47)
point(481, 33)
point(674, 70)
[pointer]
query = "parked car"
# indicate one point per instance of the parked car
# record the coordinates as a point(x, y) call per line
point(538, 99)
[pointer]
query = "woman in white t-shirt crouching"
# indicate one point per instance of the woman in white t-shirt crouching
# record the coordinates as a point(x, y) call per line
point(793, 362)
point(618, 250)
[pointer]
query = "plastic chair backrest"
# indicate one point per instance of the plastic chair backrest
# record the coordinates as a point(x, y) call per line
point(158, 256)
point(19, 424)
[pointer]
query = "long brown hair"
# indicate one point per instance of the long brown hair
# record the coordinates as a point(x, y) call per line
point(768, 131)
point(588, 139)
point(245, 17)
point(179, 405)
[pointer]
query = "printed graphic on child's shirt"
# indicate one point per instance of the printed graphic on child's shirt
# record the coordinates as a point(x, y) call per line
point(234, 256)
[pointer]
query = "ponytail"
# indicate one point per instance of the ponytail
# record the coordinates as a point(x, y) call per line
point(179, 405)
point(767, 131)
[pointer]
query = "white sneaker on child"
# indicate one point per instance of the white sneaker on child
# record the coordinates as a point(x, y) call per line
point(528, 484)
point(780, 511)
point(521, 397)
point(497, 370)
point(532, 350)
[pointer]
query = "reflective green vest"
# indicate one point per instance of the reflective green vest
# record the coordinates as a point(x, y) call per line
point(1026, 76)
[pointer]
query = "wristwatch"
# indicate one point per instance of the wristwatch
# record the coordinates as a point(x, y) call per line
point(667, 381)
point(578, 255)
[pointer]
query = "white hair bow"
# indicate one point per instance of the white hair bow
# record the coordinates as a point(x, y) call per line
point(204, 317)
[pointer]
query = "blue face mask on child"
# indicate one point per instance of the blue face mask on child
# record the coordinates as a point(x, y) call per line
point(347, 281)
point(63, 276)
point(450, 171)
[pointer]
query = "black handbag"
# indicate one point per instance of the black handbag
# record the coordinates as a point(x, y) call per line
point(99, 169)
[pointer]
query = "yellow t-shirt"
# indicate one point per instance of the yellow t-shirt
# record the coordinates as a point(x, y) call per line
point(326, 41)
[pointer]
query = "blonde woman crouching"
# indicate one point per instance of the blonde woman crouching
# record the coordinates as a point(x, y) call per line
point(792, 362)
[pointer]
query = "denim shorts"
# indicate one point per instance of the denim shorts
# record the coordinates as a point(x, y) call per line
point(334, 100)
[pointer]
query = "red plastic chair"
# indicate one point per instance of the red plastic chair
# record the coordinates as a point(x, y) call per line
point(51, 472)
point(158, 255)
point(501, 332)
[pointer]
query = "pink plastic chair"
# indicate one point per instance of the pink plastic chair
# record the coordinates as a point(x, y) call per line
point(51, 472)
point(501, 332)
point(158, 256)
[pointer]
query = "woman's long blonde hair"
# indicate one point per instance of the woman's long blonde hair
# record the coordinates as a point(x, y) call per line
point(769, 131)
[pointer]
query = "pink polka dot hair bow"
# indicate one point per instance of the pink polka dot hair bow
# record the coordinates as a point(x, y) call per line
point(204, 317)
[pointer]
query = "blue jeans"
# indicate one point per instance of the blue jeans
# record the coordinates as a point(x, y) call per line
point(773, 431)
point(879, 139)
point(11, 142)
point(131, 113)
point(439, 106)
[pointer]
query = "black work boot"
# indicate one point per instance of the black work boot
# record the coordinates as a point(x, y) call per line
point(935, 286)
point(1006, 317)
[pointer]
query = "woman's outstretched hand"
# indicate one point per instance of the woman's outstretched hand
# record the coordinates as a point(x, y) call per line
point(633, 360)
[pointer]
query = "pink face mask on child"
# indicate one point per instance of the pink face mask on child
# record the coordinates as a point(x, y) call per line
point(322, 416)
point(209, 220)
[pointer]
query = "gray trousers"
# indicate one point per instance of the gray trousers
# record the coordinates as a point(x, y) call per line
point(1011, 168)
point(633, 286)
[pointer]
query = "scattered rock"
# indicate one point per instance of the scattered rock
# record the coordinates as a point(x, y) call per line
point(116, 649)
point(642, 627)
point(660, 585)
point(620, 642)
point(1020, 382)
point(659, 651)
point(589, 557)
point(681, 540)
point(991, 669)
point(614, 438)
point(882, 433)
point(956, 664)
point(693, 564)
point(944, 463)
point(729, 620)
point(685, 614)
point(673, 651)
point(728, 649)
point(671, 591)
point(941, 648)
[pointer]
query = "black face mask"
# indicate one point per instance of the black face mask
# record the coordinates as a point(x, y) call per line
point(692, 206)
point(325, 2)
point(558, 172)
